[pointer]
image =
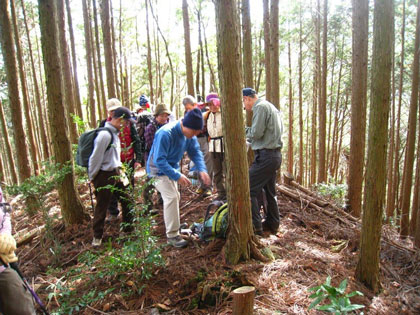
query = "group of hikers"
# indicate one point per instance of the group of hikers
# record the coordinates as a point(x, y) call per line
point(126, 142)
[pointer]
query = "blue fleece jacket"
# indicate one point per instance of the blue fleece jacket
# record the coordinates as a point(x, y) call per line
point(167, 150)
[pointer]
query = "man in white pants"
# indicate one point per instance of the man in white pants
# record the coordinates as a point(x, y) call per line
point(170, 144)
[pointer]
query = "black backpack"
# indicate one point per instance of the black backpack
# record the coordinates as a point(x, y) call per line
point(86, 144)
point(143, 120)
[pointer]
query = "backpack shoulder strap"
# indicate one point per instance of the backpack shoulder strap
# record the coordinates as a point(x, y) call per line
point(110, 132)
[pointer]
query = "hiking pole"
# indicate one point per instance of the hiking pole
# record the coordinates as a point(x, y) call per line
point(15, 267)
point(91, 197)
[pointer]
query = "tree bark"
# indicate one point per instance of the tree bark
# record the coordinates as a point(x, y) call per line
point(188, 58)
point(76, 90)
point(71, 206)
point(106, 33)
point(237, 246)
point(267, 27)
point(26, 107)
point(9, 58)
point(290, 142)
point(301, 170)
point(274, 53)
point(8, 146)
point(88, 43)
point(98, 55)
point(41, 118)
point(247, 51)
point(415, 207)
point(367, 270)
point(66, 72)
point(322, 174)
point(411, 134)
point(149, 55)
point(114, 51)
point(360, 23)
point(243, 301)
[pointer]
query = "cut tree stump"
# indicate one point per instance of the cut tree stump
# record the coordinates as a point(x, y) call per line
point(243, 300)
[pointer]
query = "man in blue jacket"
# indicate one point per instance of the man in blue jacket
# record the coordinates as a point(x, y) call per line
point(170, 144)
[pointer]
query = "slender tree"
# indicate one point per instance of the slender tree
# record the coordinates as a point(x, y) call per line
point(290, 142)
point(71, 207)
point(88, 45)
point(323, 101)
point(367, 270)
point(360, 21)
point(66, 71)
point(274, 53)
point(76, 91)
point(247, 50)
point(8, 146)
point(149, 55)
point(22, 76)
point(301, 170)
point(188, 58)
point(106, 33)
point(43, 132)
point(267, 62)
point(9, 58)
point(411, 134)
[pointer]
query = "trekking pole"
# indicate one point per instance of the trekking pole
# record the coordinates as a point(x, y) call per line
point(15, 267)
point(91, 197)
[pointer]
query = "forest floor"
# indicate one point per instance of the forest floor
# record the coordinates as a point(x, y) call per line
point(308, 247)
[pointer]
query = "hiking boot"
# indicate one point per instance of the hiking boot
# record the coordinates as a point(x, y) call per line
point(112, 218)
point(268, 228)
point(96, 242)
point(177, 242)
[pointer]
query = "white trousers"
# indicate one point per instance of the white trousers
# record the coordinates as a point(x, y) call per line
point(168, 188)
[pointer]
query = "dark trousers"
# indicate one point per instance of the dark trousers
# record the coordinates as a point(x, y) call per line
point(262, 174)
point(219, 174)
point(103, 199)
point(113, 205)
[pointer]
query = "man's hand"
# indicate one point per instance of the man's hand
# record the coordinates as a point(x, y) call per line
point(7, 243)
point(205, 178)
point(184, 181)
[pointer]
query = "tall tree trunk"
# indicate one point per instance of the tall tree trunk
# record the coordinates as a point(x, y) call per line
point(323, 102)
point(417, 233)
point(267, 61)
point(367, 270)
point(396, 175)
point(106, 33)
point(167, 54)
point(8, 146)
point(201, 50)
point(66, 72)
point(9, 58)
point(237, 246)
point(88, 43)
point(114, 51)
point(411, 134)
point(415, 207)
point(301, 170)
point(188, 58)
point(96, 66)
point(358, 104)
point(98, 55)
point(71, 207)
point(76, 90)
point(149, 55)
point(41, 117)
point(274, 53)
point(26, 107)
point(290, 142)
point(247, 52)
point(213, 85)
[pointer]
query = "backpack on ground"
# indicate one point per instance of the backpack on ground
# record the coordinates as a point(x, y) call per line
point(214, 226)
point(86, 144)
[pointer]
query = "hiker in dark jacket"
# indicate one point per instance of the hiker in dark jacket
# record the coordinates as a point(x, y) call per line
point(131, 153)
point(161, 118)
point(105, 169)
point(144, 118)
point(14, 297)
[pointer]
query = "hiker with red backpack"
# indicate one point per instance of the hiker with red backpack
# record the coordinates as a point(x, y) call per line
point(131, 153)
point(15, 297)
point(104, 169)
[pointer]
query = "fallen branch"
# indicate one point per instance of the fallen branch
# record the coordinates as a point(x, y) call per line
point(29, 236)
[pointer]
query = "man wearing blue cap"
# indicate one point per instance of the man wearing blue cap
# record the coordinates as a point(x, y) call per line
point(265, 138)
point(171, 142)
